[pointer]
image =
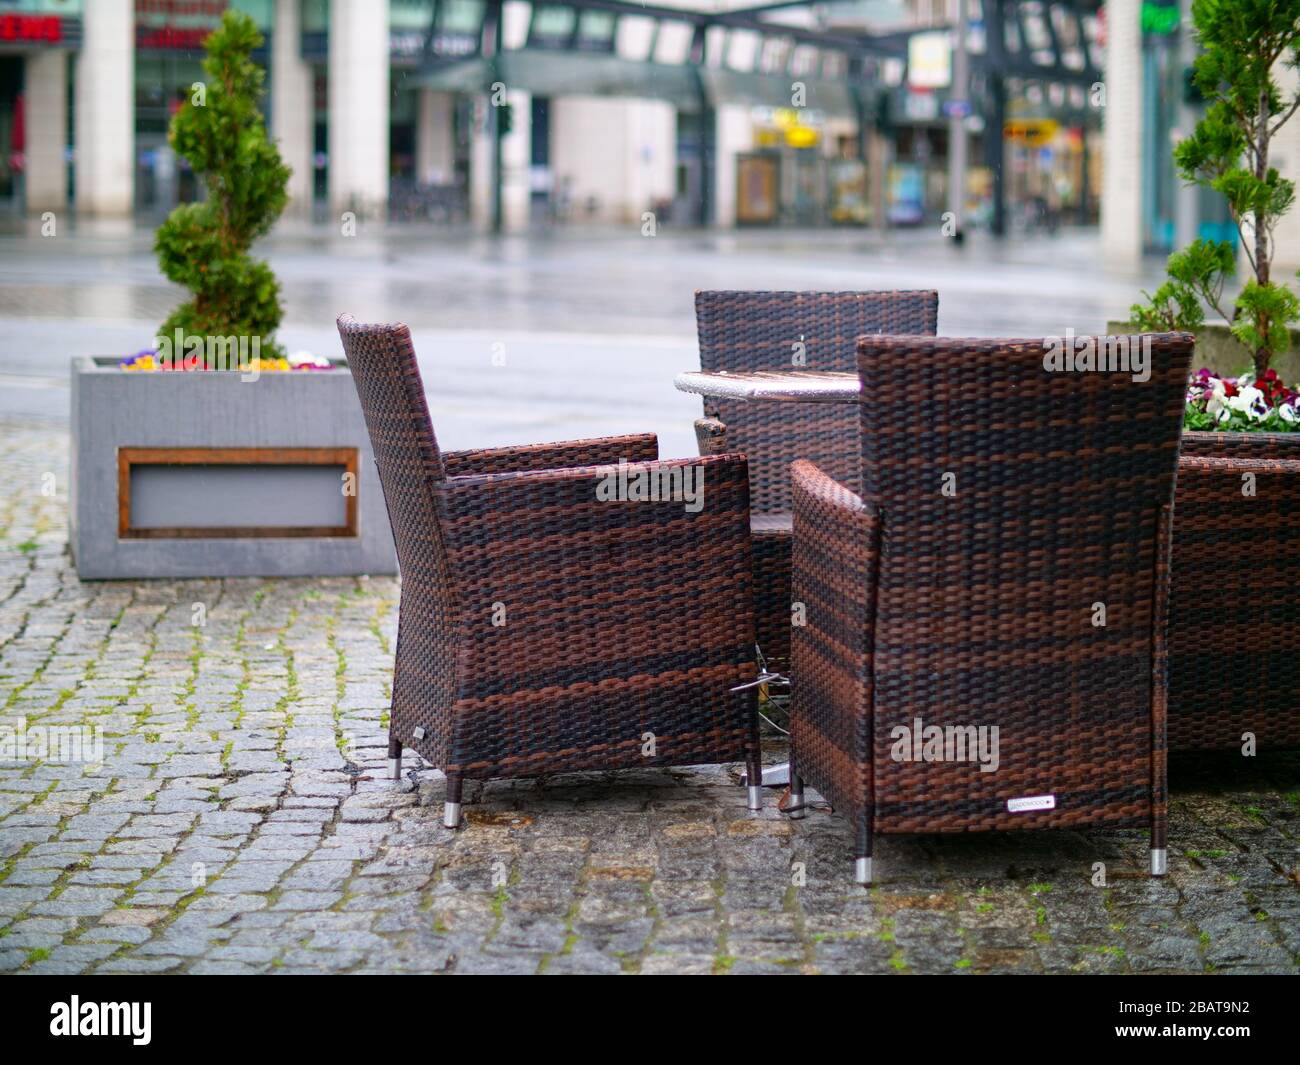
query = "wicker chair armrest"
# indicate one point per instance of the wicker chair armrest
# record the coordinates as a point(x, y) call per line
point(549, 564)
point(835, 561)
point(711, 436)
point(642, 447)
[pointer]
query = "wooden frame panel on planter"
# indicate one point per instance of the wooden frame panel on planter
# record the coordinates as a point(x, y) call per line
point(129, 457)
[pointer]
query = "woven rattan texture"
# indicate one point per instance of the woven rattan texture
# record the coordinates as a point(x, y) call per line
point(1234, 630)
point(749, 331)
point(993, 520)
point(543, 628)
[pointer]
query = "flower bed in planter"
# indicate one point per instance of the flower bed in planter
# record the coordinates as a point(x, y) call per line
point(1234, 612)
point(217, 473)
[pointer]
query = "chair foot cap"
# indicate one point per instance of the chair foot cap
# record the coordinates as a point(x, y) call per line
point(755, 797)
point(450, 814)
point(1159, 861)
point(395, 768)
point(862, 871)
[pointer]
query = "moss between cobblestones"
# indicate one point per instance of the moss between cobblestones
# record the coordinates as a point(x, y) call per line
point(382, 609)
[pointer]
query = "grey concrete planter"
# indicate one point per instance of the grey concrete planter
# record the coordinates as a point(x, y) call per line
point(202, 474)
point(1223, 353)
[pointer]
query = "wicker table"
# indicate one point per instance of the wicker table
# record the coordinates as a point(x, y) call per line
point(796, 386)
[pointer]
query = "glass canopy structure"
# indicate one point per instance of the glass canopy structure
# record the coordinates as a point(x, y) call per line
point(851, 59)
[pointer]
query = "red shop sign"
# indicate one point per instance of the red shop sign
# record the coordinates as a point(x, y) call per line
point(44, 28)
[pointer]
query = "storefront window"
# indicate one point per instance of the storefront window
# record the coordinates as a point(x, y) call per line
point(460, 16)
point(552, 26)
point(169, 56)
point(409, 14)
point(43, 7)
point(596, 31)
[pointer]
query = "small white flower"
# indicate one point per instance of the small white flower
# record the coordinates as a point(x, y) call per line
point(1288, 413)
point(1214, 404)
point(1248, 401)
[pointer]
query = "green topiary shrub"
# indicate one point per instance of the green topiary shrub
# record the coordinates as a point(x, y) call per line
point(204, 246)
point(1242, 42)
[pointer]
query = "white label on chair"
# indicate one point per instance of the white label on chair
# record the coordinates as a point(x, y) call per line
point(419, 732)
point(1031, 802)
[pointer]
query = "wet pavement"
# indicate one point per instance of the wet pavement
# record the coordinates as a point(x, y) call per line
point(552, 336)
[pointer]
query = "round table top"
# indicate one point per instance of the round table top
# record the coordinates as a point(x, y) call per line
point(795, 386)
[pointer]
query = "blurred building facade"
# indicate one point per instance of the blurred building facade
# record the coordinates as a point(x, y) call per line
point(511, 113)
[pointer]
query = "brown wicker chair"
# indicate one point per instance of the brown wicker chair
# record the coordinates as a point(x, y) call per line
point(744, 332)
point(972, 600)
point(1234, 615)
point(543, 629)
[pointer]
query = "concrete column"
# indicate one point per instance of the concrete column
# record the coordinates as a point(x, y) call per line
point(45, 95)
point(292, 103)
point(1121, 199)
point(735, 134)
point(105, 114)
point(1186, 214)
point(481, 177)
point(1284, 153)
point(358, 106)
point(516, 161)
point(435, 146)
point(621, 152)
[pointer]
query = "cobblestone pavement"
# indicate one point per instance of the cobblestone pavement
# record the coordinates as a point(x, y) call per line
point(239, 823)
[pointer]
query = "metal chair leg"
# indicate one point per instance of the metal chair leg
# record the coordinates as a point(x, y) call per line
point(451, 806)
point(754, 781)
point(862, 871)
point(1159, 846)
point(394, 758)
point(795, 807)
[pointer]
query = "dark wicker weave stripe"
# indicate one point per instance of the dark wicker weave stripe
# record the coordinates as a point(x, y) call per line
point(744, 332)
point(976, 606)
point(1234, 631)
point(611, 450)
point(541, 628)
